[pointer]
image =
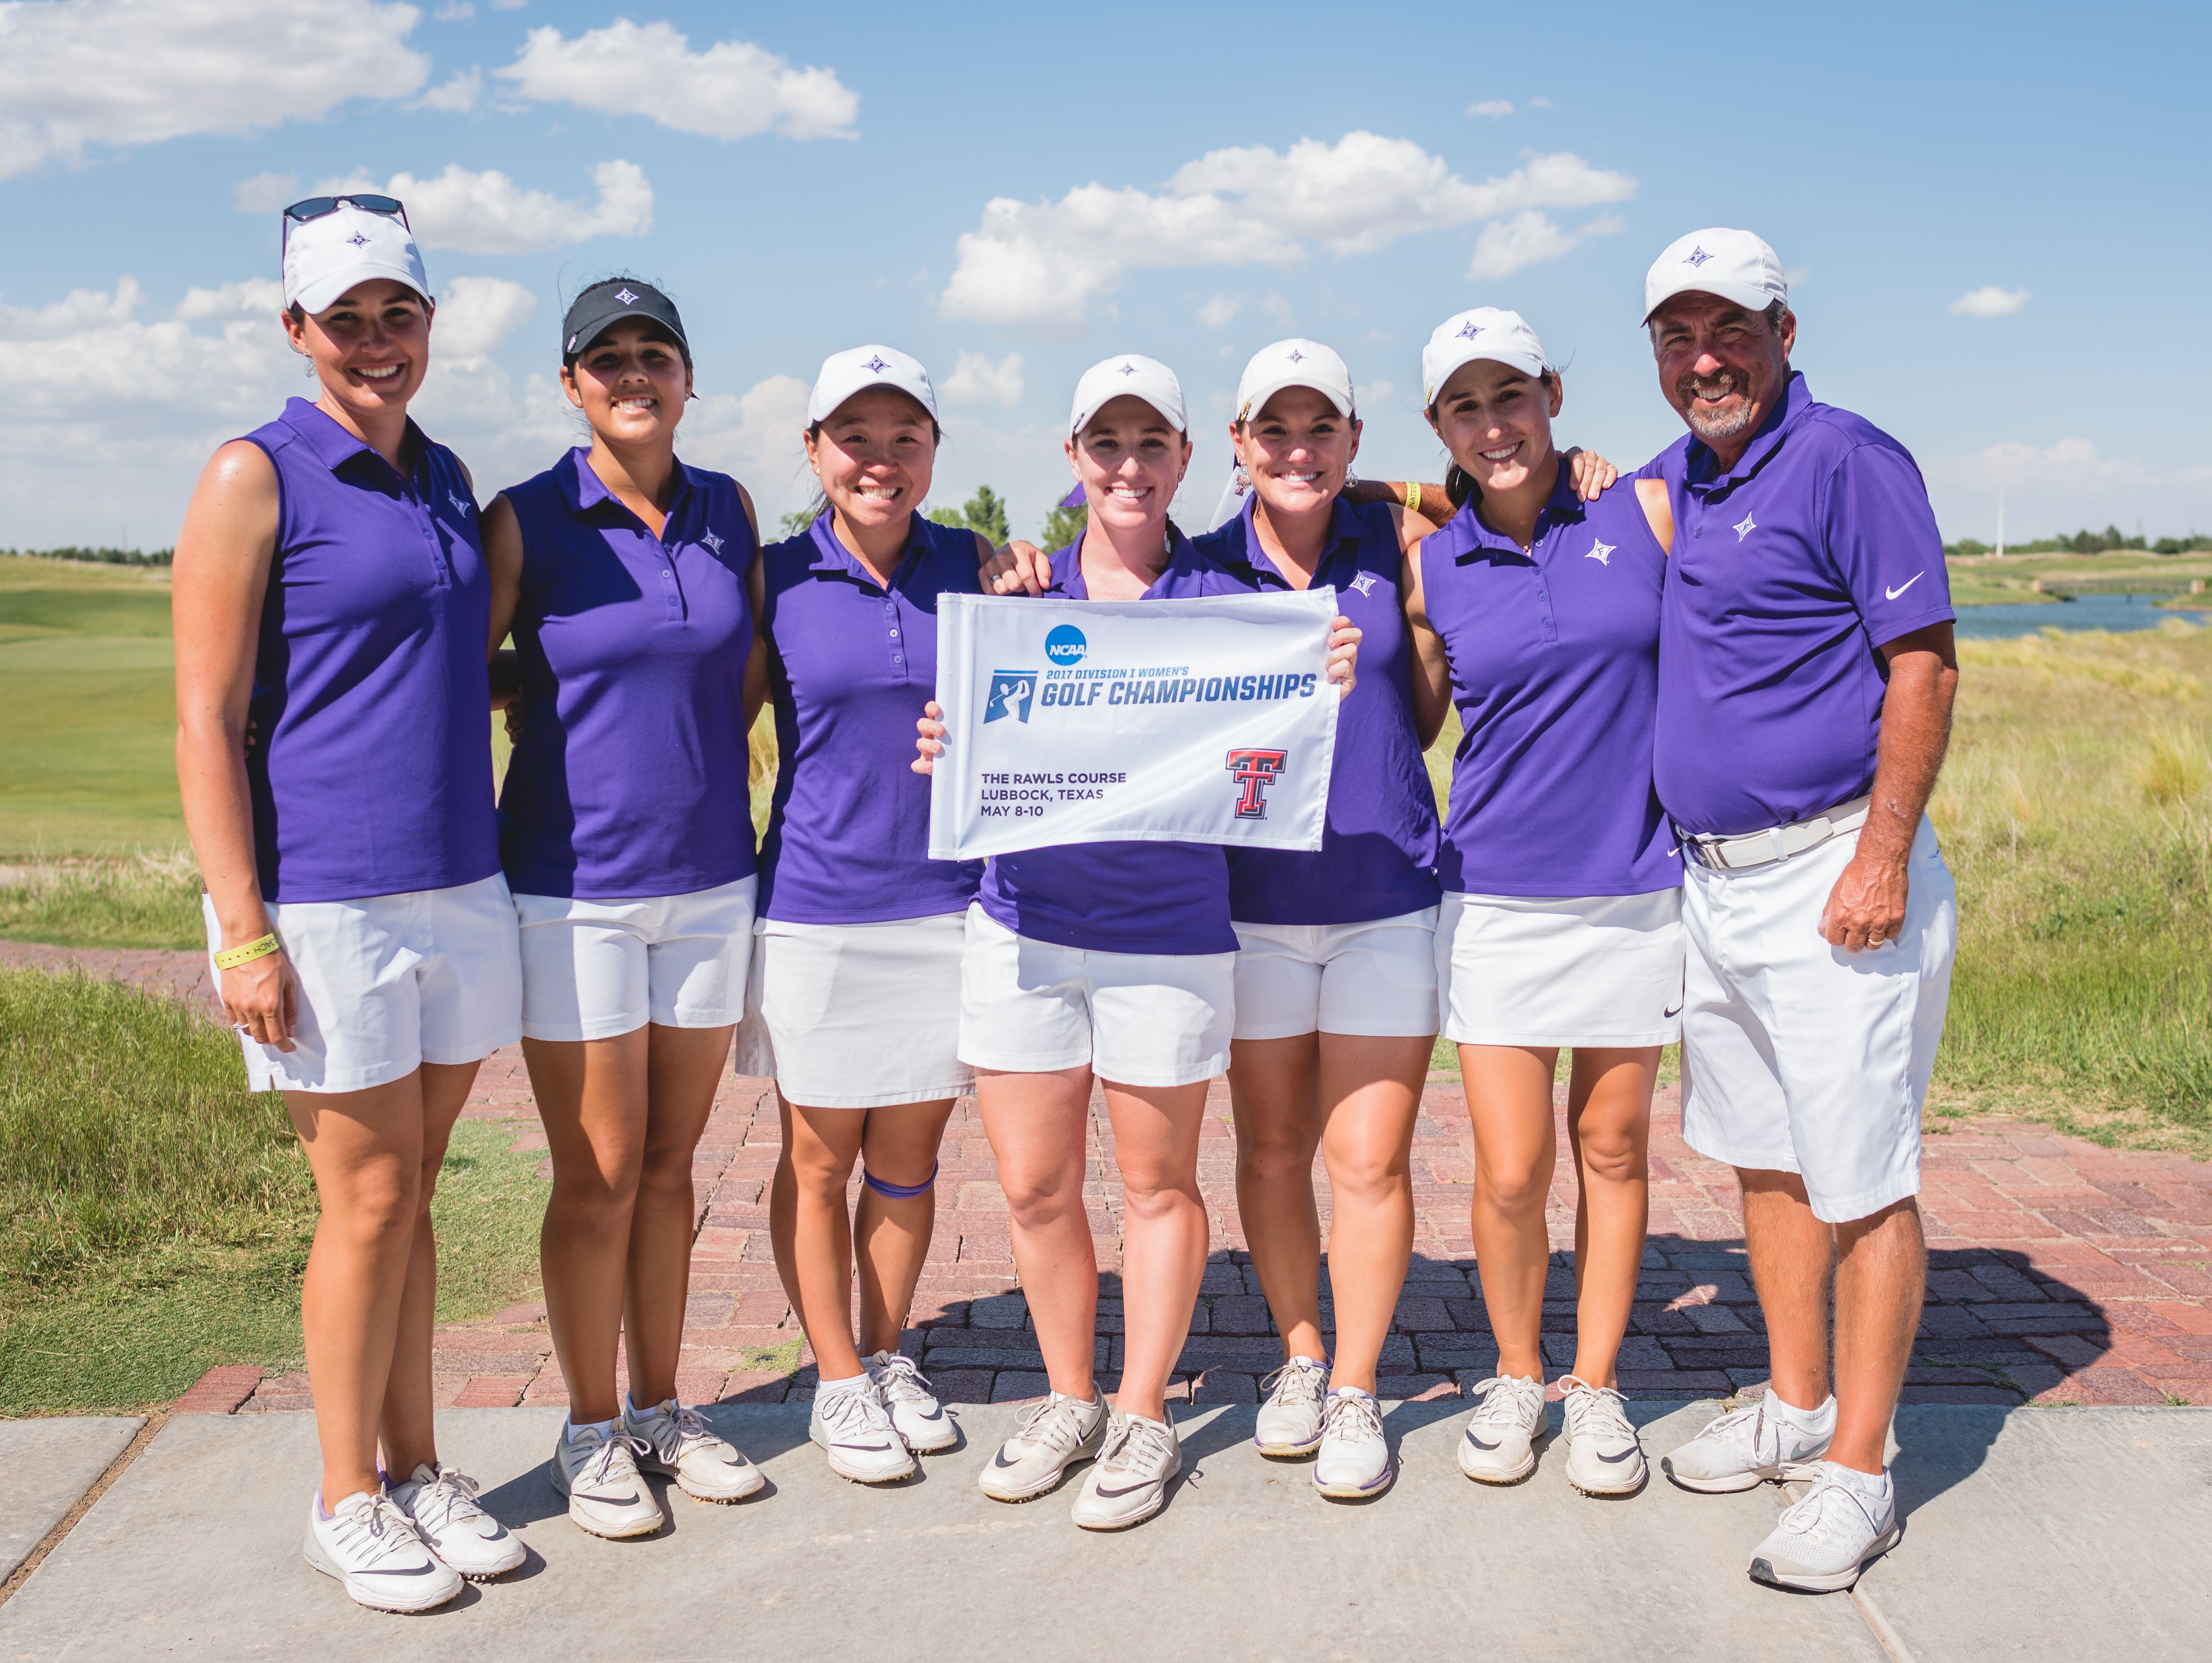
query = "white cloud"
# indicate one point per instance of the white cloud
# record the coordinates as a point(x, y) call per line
point(1496, 108)
point(1989, 302)
point(1793, 277)
point(1540, 103)
point(488, 213)
point(2070, 465)
point(733, 89)
point(1506, 245)
point(1278, 308)
point(1043, 265)
point(756, 436)
point(81, 310)
point(265, 193)
point(976, 379)
point(1375, 392)
point(250, 297)
point(1216, 311)
point(118, 72)
point(459, 91)
point(458, 11)
point(476, 314)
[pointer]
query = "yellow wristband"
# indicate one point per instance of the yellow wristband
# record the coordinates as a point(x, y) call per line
point(1413, 496)
point(231, 957)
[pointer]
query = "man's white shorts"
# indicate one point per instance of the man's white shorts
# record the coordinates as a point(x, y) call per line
point(591, 969)
point(1800, 1057)
point(1567, 970)
point(1377, 978)
point(857, 1016)
point(1146, 1019)
point(389, 983)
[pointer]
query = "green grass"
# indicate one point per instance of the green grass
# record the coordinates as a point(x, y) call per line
point(1981, 582)
point(155, 1216)
point(138, 900)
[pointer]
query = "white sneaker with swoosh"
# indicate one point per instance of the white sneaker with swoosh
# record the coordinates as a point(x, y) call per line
point(1354, 1462)
point(1052, 1437)
point(1498, 1444)
point(1821, 1544)
point(855, 1432)
point(441, 1504)
point(916, 1414)
point(678, 1440)
point(607, 1495)
point(377, 1555)
point(1128, 1483)
point(1746, 1448)
point(1288, 1421)
point(1604, 1455)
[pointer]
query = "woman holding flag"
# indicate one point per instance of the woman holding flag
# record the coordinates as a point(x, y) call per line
point(1112, 961)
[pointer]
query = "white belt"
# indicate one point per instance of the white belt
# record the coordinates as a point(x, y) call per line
point(1777, 842)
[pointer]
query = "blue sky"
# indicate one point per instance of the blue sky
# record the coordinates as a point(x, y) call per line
point(802, 180)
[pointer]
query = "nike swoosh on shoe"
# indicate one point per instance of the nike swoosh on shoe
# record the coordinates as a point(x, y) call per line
point(417, 1570)
point(1126, 1489)
point(615, 1501)
point(866, 1448)
point(1479, 1443)
point(1000, 1461)
point(1617, 1459)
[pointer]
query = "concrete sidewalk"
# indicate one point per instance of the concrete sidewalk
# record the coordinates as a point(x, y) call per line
point(2032, 1533)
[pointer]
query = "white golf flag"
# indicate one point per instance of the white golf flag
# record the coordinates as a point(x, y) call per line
point(1177, 721)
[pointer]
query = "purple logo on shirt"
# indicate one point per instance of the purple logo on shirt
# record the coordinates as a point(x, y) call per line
point(1364, 583)
point(1599, 552)
point(714, 543)
point(1696, 256)
point(1013, 692)
point(1468, 332)
point(1743, 528)
point(876, 365)
point(625, 297)
point(461, 504)
point(1253, 770)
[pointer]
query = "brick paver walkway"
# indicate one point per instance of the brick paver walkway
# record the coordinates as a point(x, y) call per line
point(2060, 1272)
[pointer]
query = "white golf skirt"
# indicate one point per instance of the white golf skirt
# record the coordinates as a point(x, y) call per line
point(1571, 970)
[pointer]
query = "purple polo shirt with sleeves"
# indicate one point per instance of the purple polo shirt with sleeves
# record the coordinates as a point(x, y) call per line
point(1555, 659)
point(1378, 851)
point(851, 663)
point(1133, 897)
point(630, 779)
point(1789, 570)
point(372, 774)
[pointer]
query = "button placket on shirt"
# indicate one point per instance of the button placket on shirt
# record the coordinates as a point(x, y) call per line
point(1547, 624)
point(426, 522)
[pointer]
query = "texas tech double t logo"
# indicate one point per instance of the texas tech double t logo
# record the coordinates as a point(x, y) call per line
point(1252, 770)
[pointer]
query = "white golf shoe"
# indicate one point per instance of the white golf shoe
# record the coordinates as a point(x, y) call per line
point(855, 1432)
point(1604, 1455)
point(1747, 1448)
point(377, 1555)
point(1822, 1544)
point(916, 1415)
point(1289, 1422)
point(1128, 1483)
point(1355, 1457)
point(1054, 1436)
point(1498, 1444)
point(678, 1442)
point(442, 1506)
point(597, 1472)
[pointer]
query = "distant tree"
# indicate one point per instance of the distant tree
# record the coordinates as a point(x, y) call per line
point(797, 521)
point(1063, 526)
point(985, 511)
point(1967, 547)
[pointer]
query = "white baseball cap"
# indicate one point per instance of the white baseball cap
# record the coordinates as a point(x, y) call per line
point(325, 257)
point(1487, 332)
point(858, 368)
point(1133, 375)
point(1292, 363)
point(1737, 265)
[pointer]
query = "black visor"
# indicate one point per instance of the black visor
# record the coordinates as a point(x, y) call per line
point(603, 305)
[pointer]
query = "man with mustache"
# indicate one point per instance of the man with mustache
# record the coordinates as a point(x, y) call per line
point(1806, 676)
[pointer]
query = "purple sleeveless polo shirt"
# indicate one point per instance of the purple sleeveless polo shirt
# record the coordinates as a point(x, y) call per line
point(1554, 659)
point(630, 778)
point(1378, 849)
point(850, 666)
point(372, 773)
point(1133, 897)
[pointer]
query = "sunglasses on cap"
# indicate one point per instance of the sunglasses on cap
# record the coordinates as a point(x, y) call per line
point(316, 207)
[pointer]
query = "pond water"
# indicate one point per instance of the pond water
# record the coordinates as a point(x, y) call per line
point(2088, 612)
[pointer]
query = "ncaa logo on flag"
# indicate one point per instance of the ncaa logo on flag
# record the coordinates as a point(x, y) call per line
point(1013, 692)
point(1066, 646)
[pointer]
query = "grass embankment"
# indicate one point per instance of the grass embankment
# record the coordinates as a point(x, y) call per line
point(1976, 581)
point(155, 1216)
point(2076, 810)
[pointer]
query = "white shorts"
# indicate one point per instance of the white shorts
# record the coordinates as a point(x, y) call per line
point(1569, 970)
point(857, 1016)
point(389, 983)
point(591, 969)
point(1375, 978)
point(1148, 1019)
point(1800, 1057)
